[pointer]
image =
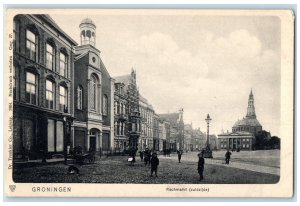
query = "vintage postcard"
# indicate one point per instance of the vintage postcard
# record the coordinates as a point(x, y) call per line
point(149, 103)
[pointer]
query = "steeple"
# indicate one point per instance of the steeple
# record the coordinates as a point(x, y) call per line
point(251, 108)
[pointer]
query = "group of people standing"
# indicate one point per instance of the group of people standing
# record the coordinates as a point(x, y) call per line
point(150, 158)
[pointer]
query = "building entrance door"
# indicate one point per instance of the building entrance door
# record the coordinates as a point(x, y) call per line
point(92, 143)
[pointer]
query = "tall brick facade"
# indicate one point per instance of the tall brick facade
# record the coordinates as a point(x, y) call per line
point(43, 116)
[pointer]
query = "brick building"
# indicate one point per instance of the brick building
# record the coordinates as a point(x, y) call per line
point(94, 88)
point(176, 129)
point(42, 93)
point(132, 123)
point(147, 115)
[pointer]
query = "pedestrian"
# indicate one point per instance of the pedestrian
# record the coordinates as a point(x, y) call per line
point(179, 155)
point(141, 155)
point(201, 165)
point(154, 163)
point(227, 157)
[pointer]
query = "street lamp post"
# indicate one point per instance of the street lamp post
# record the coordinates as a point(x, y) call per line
point(207, 153)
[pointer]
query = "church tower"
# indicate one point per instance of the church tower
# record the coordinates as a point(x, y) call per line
point(87, 32)
point(251, 108)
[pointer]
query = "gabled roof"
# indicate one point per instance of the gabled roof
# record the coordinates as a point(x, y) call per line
point(47, 18)
point(170, 117)
point(125, 79)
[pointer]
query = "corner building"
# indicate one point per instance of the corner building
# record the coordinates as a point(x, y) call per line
point(94, 88)
point(127, 113)
point(42, 88)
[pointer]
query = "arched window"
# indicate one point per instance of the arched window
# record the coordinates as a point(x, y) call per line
point(16, 33)
point(105, 105)
point(31, 45)
point(50, 94)
point(79, 97)
point(63, 64)
point(31, 88)
point(50, 56)
point(93, 93)
point(63, 99)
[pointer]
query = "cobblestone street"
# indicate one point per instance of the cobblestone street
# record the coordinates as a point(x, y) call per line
point(116, 169)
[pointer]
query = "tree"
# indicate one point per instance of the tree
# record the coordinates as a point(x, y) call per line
point(274, 142)
point(262, 140)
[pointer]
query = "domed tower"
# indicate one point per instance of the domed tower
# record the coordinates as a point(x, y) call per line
point(87, 32)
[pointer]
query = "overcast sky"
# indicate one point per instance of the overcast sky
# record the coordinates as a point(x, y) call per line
point(205, 64)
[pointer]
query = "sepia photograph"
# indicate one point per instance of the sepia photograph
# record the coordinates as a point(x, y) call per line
point(185, 100)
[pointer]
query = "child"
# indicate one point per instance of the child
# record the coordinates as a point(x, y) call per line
point(154, 163)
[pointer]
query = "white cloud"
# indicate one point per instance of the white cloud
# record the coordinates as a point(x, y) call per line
point(217, 78)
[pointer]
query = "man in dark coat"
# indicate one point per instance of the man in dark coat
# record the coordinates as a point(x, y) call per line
point(154, 163)
point(227, 157)
point(141, 155)
point(179, 155)
point(201, 165)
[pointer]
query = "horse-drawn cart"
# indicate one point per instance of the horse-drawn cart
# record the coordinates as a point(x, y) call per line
point(81, 158)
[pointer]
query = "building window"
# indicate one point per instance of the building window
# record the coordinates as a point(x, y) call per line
point(59, 136)
point(93, 93)
point(105, 105)
point(31, 45)
point(247, 145)
point(116, 128)
point(63, 64)
point(31, 88)
point(51, 135)
point(16, 35)
point(115, 108)
point(63, 101)
point(49, 94)
point(50, 56)
point(79, 97)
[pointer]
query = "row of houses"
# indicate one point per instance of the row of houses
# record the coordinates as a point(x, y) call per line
point(64, 97)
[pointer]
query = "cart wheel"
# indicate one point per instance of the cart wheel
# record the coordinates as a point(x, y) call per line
point(92, 159)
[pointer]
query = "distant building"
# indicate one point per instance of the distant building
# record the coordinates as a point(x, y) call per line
point(121, 117)
point(235, 141)
point(147, 115)
point(188, 134)
point(176, 129)
point(42, 88)
point(155, 141)
point(198, 139)
point(248, 123)
point(130, 137)
point(243, 131)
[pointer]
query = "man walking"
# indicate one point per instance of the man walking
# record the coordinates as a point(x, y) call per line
point(227, 157)
point(154, 163)
point(200, 165)
point(179, 155)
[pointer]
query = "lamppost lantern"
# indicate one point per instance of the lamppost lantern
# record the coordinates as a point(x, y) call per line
point(208, 119)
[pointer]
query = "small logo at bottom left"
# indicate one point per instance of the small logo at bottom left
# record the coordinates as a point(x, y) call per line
point(12, 188)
